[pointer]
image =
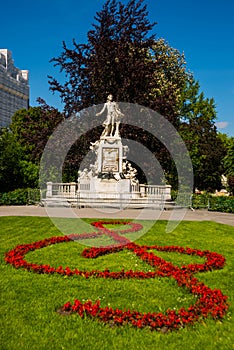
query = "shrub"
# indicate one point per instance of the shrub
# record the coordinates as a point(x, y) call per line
point(200, 201)
point(223, 204)
point(22, 196)
point(213, 203)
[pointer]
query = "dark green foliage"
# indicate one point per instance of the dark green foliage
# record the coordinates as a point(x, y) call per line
point(231, 183)
point(22, 145)
point(200, 201)
point(228, 161)
point(199, 133)
point(112, 61)
point(33, 127)
point(222, 204)
point(213, 203)
point(22, 196)
point(10, 155)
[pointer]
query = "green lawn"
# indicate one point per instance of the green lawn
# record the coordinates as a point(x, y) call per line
point(29, 301)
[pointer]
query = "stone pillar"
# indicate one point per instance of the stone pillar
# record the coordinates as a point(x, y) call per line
point(142, 190)
point(49, 189)
point(73, 189)
point(167, 193)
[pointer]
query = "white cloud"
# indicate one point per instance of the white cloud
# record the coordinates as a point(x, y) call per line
point(221, 125)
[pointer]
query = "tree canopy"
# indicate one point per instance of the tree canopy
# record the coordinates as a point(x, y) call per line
point(228, 160)
point(33, 127)
point(198, 130)
point(122, 58)
point(22, 146)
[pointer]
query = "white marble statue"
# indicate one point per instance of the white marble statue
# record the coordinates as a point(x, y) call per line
point(94, 146)
point(87, 174)
point(125, 151)
point(82, 174)
point(113, 117)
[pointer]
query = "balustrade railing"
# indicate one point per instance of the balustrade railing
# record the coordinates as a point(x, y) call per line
point(61, 189)
point(74, 190)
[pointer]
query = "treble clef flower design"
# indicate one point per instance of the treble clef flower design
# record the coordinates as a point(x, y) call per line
point(209, 302)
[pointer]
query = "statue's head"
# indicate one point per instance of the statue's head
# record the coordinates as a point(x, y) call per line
point(110, 97)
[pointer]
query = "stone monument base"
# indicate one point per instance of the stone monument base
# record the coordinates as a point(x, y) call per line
point(98, 187)
point(108, 193)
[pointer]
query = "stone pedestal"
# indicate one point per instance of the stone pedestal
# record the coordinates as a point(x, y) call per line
point(110, 155)
point(49, 189)
point(98, 188)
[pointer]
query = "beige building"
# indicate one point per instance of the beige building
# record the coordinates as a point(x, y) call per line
point(14, 88)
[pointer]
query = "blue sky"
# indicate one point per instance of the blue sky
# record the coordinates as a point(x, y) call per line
point(202, 29)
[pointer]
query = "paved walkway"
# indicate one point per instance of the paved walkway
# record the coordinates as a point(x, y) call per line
point(177, 215)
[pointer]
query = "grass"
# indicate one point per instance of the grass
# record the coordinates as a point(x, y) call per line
point(29, 301)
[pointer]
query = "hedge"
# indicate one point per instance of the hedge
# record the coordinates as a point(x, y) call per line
point(213, 203)
point(21, 196)
point(223, 204)
point(27, 196)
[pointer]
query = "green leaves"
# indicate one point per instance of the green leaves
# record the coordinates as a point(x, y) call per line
point(22, 146)
point(33, 127)
point(199, 132)
point(10, 155)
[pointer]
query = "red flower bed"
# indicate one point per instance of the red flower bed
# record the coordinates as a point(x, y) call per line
point(209, 302)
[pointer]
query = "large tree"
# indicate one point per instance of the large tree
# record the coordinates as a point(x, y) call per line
point(22, 146)
point(198, 116)
point(10, 157)
point(112, 60)
point(32, 128)
point(122, 58)
point(228, 160)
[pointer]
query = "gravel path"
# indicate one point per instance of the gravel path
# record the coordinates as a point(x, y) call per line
point(188, 214)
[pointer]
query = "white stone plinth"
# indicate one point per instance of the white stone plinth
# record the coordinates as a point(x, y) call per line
point(110, 155)
point(103, 185)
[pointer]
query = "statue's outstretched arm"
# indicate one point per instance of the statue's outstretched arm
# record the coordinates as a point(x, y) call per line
point(103, 109)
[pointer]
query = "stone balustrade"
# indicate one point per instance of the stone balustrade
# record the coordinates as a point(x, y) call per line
point(80, 194)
